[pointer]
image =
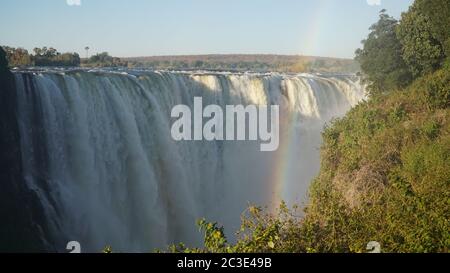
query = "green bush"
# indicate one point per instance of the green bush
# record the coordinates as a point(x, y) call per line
point(434, 89)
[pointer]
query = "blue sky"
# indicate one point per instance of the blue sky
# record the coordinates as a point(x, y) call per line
point(331, 28)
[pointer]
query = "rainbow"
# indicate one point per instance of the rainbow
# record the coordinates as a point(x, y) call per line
point(281, 162)
point(280, 177)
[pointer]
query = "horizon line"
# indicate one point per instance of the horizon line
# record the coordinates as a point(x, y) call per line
point(232, 54)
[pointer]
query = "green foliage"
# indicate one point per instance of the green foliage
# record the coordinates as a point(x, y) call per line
point(214, 240)
point(17, 56)
point(51, 57)
point(395, 52)
point(104, 60)
point(398, 193)
point(434, 90)
point(438, 14)
point(422, 51)
point(380, 58)
point(260, 232)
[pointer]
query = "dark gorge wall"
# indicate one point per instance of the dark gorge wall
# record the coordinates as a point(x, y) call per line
point(22, 223)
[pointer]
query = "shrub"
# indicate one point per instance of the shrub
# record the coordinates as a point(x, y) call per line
point(434, 89)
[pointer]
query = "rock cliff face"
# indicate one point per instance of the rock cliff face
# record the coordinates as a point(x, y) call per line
point(22, 222)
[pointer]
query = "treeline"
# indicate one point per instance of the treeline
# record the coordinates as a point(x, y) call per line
point(19, 57)
point(51, 57)
point(385, 166)
point(397, 52)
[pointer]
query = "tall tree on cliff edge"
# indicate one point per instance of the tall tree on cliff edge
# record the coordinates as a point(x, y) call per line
point(381, 57)
point(422, 37)
point(438, 13)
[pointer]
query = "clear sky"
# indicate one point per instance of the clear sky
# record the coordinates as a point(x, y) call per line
point(125, 28)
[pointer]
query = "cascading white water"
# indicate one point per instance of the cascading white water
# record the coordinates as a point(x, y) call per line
point(97, 150)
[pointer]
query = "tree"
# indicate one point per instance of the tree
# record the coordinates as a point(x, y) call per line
point(37, 51)
point(51, 57)
point(438, 13)
point(422, 50)
point(104, 60)
point(17, 56)
point(51, 52)
point(381, 57)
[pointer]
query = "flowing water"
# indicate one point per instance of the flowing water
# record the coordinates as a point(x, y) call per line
point(97, 150)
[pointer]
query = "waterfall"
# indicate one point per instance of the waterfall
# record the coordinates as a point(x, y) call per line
point(97, 151)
